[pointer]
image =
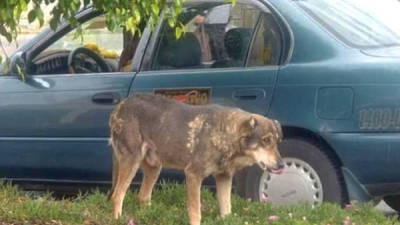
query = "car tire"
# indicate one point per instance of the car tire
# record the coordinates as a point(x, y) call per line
point(393, 201)
point(310, 175)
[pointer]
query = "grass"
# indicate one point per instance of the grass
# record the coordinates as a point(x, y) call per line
point(169, 208)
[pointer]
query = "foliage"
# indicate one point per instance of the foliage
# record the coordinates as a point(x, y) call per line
point(126, 13)
point(169, 208)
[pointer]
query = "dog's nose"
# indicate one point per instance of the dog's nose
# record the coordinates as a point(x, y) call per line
point(280, 164)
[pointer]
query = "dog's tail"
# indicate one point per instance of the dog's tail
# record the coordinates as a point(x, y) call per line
point(115, 123)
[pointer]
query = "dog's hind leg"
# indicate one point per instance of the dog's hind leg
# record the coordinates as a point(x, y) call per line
point(193, 185)
point(224, 187)
point(127, 168)
point(150, 176)
point(128, 155)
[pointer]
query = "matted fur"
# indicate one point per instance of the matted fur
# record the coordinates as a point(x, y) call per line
point(154, 132)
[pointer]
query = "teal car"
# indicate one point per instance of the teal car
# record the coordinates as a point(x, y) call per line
point(329, 72)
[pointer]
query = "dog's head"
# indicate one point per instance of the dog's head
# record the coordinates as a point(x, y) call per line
point(259, 138)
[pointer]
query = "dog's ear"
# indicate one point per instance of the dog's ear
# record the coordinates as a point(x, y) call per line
point(247, 126)
point(278, 130)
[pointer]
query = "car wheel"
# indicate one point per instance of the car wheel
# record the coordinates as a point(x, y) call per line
point(310, 175)
point(393, 201)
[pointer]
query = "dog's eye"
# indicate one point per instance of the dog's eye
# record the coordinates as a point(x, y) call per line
point(267, 140)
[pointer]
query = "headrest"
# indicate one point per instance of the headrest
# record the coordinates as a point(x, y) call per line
point(237, 42)
point(180, 53)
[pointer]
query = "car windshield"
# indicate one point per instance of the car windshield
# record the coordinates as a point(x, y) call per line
point(359, 23)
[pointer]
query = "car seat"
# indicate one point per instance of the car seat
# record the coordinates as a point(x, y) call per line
point(236, 44)
point(182, 53)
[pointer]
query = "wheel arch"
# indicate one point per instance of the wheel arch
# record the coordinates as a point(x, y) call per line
point(314, 138)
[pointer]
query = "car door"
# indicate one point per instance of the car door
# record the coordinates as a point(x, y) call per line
point(54, 126)
point(228, 56)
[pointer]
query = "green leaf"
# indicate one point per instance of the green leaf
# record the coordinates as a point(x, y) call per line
point(32, 15)
point(171, 21)
point(17, 12)
point(5, 34)
point(137, 15)
point(40, 16)
point(73, 22)
point(23, 5)
point(178, 32)
point(1, 59)
point(155, 9)
point(21, 73)
point(53, 24)
point(130, 23)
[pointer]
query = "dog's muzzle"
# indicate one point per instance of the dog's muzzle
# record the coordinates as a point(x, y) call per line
point(277, 169)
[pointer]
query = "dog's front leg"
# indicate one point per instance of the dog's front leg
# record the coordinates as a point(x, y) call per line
point(193, 185)
point(224, 187)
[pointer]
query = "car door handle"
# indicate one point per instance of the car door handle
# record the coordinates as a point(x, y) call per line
point(249, 95)
point(107, 98)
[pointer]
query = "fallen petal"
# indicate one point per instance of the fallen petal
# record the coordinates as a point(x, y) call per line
point(348, 206)
point(273, 218)
point(131, 222)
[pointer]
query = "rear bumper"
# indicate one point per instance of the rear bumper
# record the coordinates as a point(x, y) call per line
point(369, 163)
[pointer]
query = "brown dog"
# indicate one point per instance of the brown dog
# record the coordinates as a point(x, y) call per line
point(155, 132)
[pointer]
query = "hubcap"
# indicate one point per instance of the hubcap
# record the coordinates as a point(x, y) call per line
point(299, 183)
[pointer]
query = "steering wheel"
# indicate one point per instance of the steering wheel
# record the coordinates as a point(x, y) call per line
point(78, 65)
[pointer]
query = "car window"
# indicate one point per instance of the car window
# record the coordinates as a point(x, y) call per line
point(267, 45)
point(93, 35)
point(217, 36)
point(359, 23)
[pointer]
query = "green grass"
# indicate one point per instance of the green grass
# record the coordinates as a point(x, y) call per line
point(169, 208)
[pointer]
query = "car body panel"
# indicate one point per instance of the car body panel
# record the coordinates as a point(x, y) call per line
point(366, 136)
point(228, 87)
point(53, 122)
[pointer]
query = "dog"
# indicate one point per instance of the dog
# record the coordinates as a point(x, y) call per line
point(153, 132)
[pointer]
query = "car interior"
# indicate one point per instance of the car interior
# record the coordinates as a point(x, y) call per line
point(217, 40)
point(90, 48)
point(219, 36)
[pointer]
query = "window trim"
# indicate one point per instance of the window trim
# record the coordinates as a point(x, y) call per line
point(253, 38)
point(256, 30)
point(287, 35)
point(151, 45)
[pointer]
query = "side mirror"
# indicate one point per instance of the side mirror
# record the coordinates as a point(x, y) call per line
point(17, 65)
